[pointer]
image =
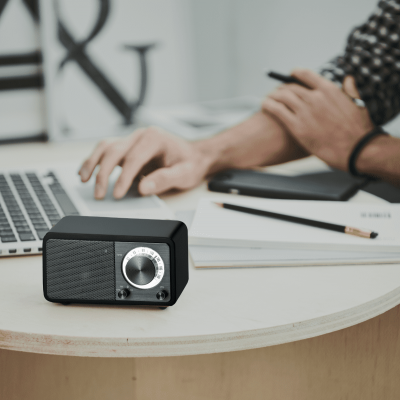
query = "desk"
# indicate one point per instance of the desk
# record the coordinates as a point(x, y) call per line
point(268, 333)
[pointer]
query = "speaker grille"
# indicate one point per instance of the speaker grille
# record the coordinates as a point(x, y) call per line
point(80, 269)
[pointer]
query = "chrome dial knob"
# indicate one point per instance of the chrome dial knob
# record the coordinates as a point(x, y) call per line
point(143, 268)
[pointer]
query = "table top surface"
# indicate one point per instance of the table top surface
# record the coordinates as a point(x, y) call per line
point(220, 309)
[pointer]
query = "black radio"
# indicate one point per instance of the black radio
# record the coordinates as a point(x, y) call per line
point(100, 260)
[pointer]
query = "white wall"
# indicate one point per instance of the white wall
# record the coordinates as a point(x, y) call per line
point(237, 40)
point(213, 22)
point(283, 34)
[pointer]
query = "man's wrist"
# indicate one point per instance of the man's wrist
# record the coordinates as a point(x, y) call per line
point(210, 152)
point(379, 156)
point(257, 141)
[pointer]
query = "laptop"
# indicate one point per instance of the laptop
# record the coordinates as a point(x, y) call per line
point(33, 200)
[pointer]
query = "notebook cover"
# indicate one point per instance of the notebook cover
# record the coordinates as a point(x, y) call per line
point(331, 185)
point(383, 190)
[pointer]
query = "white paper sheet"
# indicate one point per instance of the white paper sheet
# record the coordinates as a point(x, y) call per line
point(214, 226)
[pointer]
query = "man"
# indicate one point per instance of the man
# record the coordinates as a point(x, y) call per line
point(294, 122)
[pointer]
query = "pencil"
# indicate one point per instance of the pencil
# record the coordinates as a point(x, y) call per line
point(304, 221)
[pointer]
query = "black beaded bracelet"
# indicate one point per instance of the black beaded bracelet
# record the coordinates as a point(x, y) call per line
point(357, 149)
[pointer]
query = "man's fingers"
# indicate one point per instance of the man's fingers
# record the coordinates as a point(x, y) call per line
point(279, 111)
point(350, 88)
point(288, 98)
point(110, 160)
point(302, 92)
point(179, 176)
point(311, 79)
point(140, 155)
point(90, 164)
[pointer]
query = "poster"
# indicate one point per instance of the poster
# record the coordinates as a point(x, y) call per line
point(104, 58)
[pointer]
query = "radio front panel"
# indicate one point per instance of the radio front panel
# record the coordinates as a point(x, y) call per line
point(143, 271)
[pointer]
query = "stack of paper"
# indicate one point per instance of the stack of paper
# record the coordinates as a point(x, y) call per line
point(221, 238)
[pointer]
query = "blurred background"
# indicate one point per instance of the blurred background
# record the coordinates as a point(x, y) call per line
point(82, 69)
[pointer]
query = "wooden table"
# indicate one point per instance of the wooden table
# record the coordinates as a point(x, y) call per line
point(261, 333)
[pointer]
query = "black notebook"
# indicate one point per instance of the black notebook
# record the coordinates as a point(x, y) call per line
point(384, 190)
point(332, 185)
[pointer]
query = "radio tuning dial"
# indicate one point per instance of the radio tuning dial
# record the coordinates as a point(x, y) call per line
point(140, 270)
point(143, 268)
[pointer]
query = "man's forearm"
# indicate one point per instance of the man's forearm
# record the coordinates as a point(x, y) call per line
point(381, 158)
point(258, 141)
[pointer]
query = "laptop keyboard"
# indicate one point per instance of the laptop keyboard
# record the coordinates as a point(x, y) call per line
point(36, 218)
point(45, 201)
point(21, 226)
point(6, 233)
point(32, 210)
point(61, 196)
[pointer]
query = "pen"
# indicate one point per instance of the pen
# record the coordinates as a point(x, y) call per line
point(292, 79)
point(304, 221)
point(286, 79)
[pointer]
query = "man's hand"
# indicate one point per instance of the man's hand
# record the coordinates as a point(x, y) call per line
point(167, 161)
point(323, 119)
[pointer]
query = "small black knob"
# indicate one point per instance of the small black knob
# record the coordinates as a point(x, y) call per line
point(162, 295)
point(123, 293)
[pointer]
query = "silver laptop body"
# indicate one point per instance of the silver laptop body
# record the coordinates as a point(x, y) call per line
point(33, 200)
